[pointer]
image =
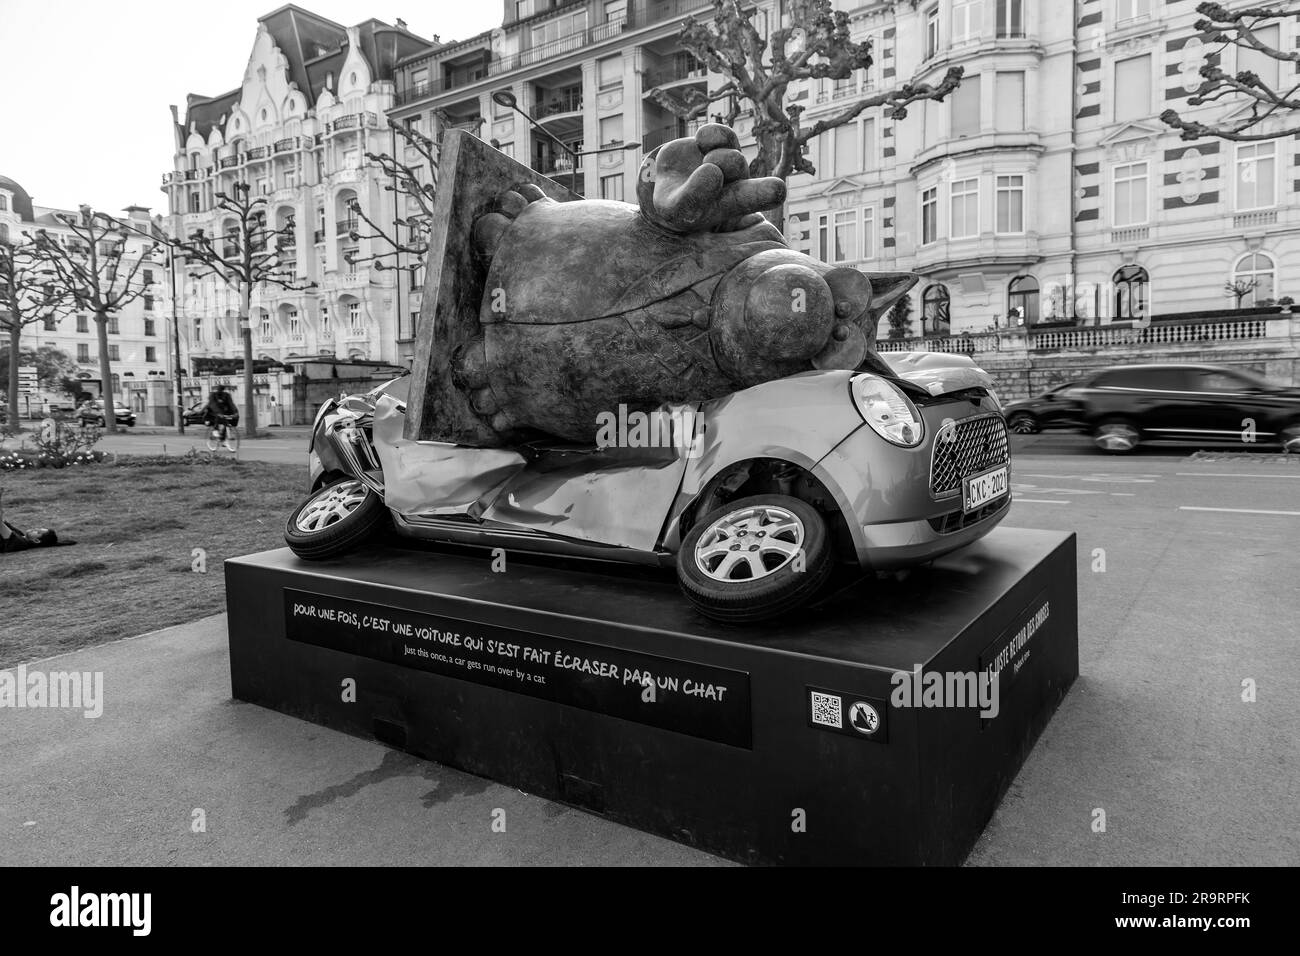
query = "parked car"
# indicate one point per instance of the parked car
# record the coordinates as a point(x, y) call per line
point(194, 414)
point(93, 414)
point(1126, 406)
point(768, 488)
point(1058, 407)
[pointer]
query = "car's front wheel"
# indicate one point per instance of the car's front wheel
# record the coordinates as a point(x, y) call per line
point(334, 520)
point(1118, 436)
point(1290, 438)
point(755, 558)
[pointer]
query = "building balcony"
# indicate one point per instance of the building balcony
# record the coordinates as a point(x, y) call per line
point(1256, 218)
point(358, 334)
point(351, 121)
point(346, 280)
point(287, 145)
point(229, 162)
point(318, 236)
point(296, 338)
point(1130, 234)
point(345, 227)
point(257, 152)
point(557, 105)
point(679, 70)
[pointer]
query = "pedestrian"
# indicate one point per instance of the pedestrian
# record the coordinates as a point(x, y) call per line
point(15, 539)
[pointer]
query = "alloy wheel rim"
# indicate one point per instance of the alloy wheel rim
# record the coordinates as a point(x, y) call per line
point(331, 505)
point(1291, 440)
point(1022, 425)
point(749, 544)
point(1117, 437)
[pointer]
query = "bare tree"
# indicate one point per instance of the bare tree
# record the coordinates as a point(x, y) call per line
point(1223, 28)
point(29, 294)
point(405, 247)
point(90, 269)
point(1240, 288)
point(815, 46)
point(246, 255)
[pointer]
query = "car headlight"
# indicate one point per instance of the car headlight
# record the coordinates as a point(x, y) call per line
point(887, 410)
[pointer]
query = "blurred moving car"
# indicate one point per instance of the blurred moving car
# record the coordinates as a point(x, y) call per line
point(93, 414)
point(1126, 406)
point(194, 414)
point(1058, 407)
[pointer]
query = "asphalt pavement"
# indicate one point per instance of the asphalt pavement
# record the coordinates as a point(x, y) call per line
point(1178, 738)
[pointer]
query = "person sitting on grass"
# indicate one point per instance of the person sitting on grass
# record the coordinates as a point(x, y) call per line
point(14, 539)
point(220, 411)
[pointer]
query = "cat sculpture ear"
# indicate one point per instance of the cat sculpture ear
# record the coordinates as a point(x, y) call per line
point(701, 183)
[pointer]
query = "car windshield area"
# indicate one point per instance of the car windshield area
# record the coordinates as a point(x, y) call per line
point(1147, 378)
point(1228, 380)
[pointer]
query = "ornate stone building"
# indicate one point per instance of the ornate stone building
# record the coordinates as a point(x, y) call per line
point(311, 104)
point(139, 336)
point(1044, 195)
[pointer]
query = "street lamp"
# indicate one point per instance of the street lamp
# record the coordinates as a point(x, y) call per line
point(507, 99)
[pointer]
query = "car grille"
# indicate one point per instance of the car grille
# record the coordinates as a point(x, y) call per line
point(966, 448)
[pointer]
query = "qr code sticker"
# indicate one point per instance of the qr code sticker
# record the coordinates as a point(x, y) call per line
point(827, 710)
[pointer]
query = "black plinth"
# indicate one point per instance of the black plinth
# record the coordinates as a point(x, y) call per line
point(537, 677)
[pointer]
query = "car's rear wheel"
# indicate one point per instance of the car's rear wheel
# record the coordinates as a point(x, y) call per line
point(1022, 423)
point(1117, 436)
point(755, 558)
point(334, 520)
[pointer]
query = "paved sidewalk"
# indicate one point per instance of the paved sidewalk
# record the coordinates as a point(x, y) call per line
point(122, 789)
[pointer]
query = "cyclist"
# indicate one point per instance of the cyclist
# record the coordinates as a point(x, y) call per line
point(220, 413)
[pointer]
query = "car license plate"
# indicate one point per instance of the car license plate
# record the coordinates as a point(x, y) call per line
point(979, 490)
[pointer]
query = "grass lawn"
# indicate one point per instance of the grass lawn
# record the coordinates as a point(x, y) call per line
point(135, 528)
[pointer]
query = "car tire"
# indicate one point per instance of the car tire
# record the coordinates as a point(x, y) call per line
point(1117, 436)
point(334, 519)
point(1289, 438)
point(1023, 423)
point(771, 581)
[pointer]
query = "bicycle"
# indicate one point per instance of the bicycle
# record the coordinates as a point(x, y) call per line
point(224, 433)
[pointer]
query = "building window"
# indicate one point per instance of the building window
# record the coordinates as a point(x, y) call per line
point(964, 222)
point(4, 203)
point(1256, 175)
point(611, 187)
point(148, 276)
point(194, 201)
point(349, 259)
point(846, 150)
point(114, 353)
point(1131, 9)
point(354, 316)
point(351, 158)
point(295, 327)
point(114, 324)
point(1267, 68)
point(868, 145)
point(1130, 292)
point(609, 71)
point(1132, 89)
point(935, 302)
point(932, 32)
point(615, 11)
point(151, 353)
point(1011, 18)
point(1022, 301)
point(325, 318)
point(83, 352)
point(148, 303)
point(837, 236)
point(611, 131)
point(966, 107)
point(1257, 274)
point(1130, 195)
point(965, 21)
point(198, 330)
point(929, 215)
point(1011, 205)
point(83, 324)
point(50, 323)
point(869, 233)
point(1009, 102)
point(149, 327)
